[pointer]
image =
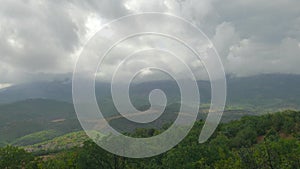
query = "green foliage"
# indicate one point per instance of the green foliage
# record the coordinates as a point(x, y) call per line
point(16, 158)
point(63, 160)
point(59, 143)
point(36, 137)
point(94, 157)
point(244, 138)
point(237, 145)
point(35, 115)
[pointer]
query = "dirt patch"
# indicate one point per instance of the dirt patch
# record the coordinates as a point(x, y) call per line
point(58, 120)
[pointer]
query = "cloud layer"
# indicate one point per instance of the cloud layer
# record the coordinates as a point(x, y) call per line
point(45, 37)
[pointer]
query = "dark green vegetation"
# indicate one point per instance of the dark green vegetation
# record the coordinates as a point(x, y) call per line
point(270, 141)
point(38, 120)
point(35, 120)
point(69, 140)
point(265, 93)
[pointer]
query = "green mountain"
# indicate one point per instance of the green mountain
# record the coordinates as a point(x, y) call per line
point(36, 116)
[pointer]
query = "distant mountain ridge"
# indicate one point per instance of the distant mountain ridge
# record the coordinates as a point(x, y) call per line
point(55, 112)
point(271, 89)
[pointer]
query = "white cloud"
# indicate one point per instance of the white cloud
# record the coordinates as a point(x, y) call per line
point(5, 85)
point(46, 37)
point(225, 37)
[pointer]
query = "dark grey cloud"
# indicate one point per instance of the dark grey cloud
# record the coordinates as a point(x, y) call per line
point(41, 36)
point(45, 37)
point(36, 37)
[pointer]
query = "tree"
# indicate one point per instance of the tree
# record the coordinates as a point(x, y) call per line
point(16, 158)
point(63, 160)
point(244, 138)
point(93, 156)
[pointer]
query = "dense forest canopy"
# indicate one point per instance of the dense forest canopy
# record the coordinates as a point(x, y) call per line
point(267, 141)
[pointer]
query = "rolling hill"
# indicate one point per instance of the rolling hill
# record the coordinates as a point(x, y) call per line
point(45, 110)
point(36, 115)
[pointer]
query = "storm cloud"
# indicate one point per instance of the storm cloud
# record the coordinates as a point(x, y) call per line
point(40, 38)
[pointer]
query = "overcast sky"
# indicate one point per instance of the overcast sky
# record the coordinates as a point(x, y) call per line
point(42, 39)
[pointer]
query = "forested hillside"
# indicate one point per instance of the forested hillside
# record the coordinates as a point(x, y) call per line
point(35, 120)
point(38, 120)
point(269, 141)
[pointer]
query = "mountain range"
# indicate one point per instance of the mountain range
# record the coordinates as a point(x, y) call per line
point(39, 111)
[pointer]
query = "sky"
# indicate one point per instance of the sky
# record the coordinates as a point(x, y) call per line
point(42, 40)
